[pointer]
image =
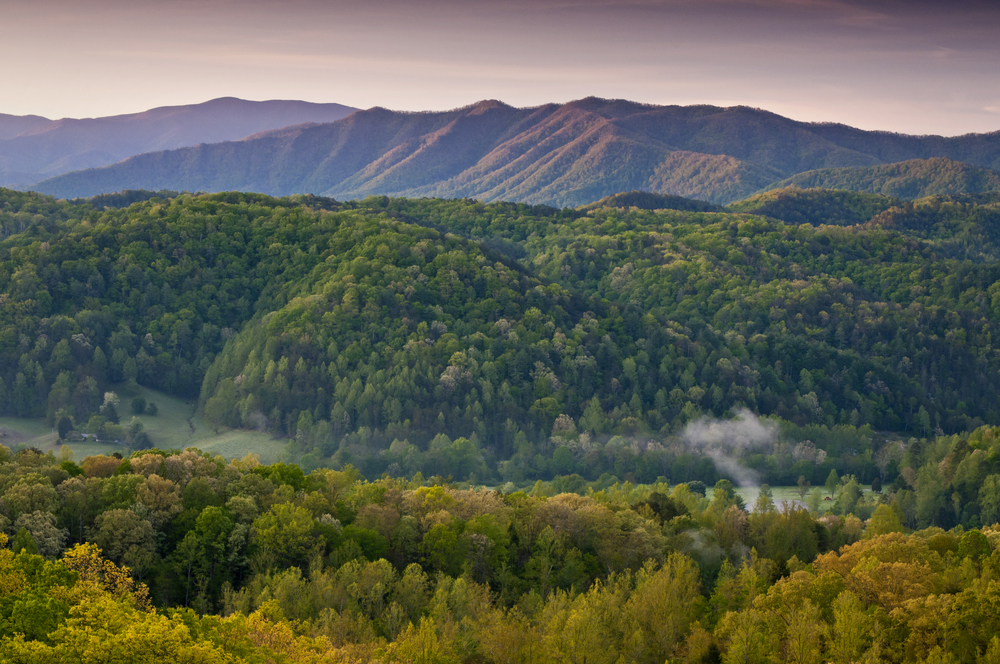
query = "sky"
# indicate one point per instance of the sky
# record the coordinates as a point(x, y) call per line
point(911, 66)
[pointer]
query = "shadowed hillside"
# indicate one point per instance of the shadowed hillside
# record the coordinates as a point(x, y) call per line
point(811, 206)
point(33, 148)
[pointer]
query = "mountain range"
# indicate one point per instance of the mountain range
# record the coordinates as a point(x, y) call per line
point(33, 148)
point(557, 154)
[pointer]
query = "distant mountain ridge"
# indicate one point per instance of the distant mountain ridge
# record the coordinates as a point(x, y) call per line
point(564, 155)
point(13, 125)
point(33, 148)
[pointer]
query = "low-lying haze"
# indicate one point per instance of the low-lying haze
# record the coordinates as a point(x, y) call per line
point(723, 440)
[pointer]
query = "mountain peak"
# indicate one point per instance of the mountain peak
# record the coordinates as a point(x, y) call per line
point(562, 155)
point(487, 105)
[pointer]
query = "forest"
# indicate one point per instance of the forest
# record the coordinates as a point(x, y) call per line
point(184, 557)
point(513, 433)
point(504, 342)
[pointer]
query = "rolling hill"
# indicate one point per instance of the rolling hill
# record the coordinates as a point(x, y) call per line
point(351, 327)
point(562, 155)
point(810, 206)
point(33, 148)
point(912, 179)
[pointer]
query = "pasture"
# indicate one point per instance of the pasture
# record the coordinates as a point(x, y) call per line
point(177, 425)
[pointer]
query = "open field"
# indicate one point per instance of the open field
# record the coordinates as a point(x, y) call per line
point(237, 444)
point(780, 494)
point(177, 425)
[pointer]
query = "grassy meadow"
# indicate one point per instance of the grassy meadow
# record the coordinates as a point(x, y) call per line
point(177, 425)
point(789, 494)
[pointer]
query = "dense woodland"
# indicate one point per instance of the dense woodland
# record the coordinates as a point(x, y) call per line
point(509, 343)
point(183, 557)
point(580, 362)
point(917, 178)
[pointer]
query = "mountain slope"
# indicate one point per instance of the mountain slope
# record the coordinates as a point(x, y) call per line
point(564, 155)
point(916, 178)
point(35, 148)
point(802, 206)
point(348, 326)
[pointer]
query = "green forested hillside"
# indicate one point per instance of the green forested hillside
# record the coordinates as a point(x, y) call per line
point(816, 206)
point(912, 179)
point(645, 200)
point(502, 341)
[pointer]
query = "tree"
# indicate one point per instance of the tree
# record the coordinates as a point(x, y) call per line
point(162, 499)
point(285, 531)
point(110, 412)
point(989, 500)
point(48, 539)
point(850, 494)
point(441, 551)
point(64, 427)
point(803, 634)
point(815, 500)
point(725, 495)
point(80, 500)
point(421, 645)
point(975, 546)
point(106, 629)
point(923, 423)
point(509, 638)
point(185, 560)
point(665, 603)
point(575, 631)
point(850, 627)
point(930, 495)
point(213, 527)
point(23, 541)
point(119, 531)
point(746, 636)
point(803, 487)
point(32, 493)
point(884, 521)
point(832, 482)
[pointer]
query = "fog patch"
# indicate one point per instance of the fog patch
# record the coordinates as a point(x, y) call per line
point(724, 441)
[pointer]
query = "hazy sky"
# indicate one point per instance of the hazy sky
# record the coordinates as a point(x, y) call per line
point(913, 66)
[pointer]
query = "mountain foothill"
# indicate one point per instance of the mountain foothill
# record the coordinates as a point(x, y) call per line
point(504, 340)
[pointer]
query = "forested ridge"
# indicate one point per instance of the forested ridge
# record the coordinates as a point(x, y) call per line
point(916, 178)
point(504, 341)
